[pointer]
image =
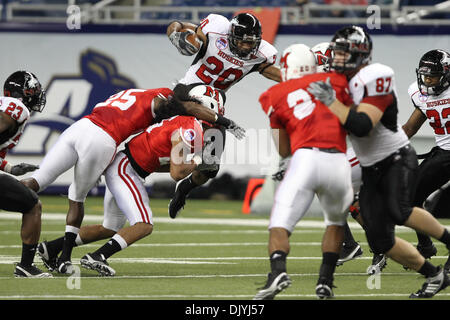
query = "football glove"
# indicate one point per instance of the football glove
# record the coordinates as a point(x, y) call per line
point(282, 167)
point(179, 40)
point(323, 91)
point(22, 168)
point(236, 130)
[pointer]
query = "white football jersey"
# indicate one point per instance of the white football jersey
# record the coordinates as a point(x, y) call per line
point(16, 110)
point(387, 136)
point(216, 65)
point(437, 110)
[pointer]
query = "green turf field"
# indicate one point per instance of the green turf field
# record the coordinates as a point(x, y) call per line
point(211, 251)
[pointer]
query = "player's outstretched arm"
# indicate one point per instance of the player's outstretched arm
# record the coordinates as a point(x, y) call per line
point(270, 71)
point(414, 123)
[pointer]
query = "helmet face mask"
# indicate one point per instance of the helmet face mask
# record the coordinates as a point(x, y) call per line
point(433, 73)
point(244, 36)
point(26, 87)
point(355, 42)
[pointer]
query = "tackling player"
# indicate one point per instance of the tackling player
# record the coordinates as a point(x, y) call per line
point(388, 161)
point(306, 128)
point(23, 94)
point(89, 145)
point(430, 95)
point(229, 51)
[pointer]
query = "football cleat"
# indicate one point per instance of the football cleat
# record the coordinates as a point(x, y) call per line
point(447, 266)
point(179, 199)
point(432, 285)
point(379, 262)
point(273, 286)
point(64, 267)
point(427, 251)
point(98, 263)
point(349, 253)
point(49, 262)
point(324, 289)
point(32, 271)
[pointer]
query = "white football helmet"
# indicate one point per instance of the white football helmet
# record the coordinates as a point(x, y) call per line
point(297, 60)
point(323, 54)
point(209, 97)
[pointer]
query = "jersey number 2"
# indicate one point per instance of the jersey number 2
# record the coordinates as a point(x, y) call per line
point(301, 101)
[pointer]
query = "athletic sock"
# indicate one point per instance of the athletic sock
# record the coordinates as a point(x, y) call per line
point(187, 185)
point(445, 238)
point(278, 262)
point(28, 251)
point(349, 241)
point(69, 243)
point(54, 247)
point(424, 240)
point(114, 245)
point(428, 270)
point(328, 265)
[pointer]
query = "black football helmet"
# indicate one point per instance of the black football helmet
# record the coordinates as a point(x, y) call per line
point(356, 41)
point(25, 86)
point(247, 28)
point(434, 63)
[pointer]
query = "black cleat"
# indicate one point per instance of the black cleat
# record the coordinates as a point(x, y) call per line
point(48, 261)
point(97, 263)
point(32, 271)
point(179, 199)
point(324, 289)
point(427, 251)
point(273, 286)
point(349, 253)
point(432, 285)
point(447, 266)
point(379, 262)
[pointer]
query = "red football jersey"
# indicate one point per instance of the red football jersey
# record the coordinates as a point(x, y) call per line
point(127, 112)
point(152, 148)
point(308, 122)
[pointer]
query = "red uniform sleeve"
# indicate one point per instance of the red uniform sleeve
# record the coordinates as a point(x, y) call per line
point(381, 102)
point(340, 85)
point(266, 104)
point(192, 135)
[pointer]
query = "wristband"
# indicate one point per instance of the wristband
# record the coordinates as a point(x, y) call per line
point(221, 120)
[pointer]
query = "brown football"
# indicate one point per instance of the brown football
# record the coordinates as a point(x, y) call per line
point(193, 39)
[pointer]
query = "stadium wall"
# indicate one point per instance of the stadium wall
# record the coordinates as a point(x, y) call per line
point(82, 69)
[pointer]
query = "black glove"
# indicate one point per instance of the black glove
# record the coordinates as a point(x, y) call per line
point(231, 126)
point(22, 168)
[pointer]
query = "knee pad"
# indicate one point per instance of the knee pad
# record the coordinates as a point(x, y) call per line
point(402, 214)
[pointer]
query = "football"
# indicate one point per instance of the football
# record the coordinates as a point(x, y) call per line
point(193, 39)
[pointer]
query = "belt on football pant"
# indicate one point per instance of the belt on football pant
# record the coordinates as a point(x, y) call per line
point(328, 150)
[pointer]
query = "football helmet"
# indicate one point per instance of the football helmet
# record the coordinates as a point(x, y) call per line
point(297, 60)
point(434, 63)
point(357, 43)
point(244, 27)
point(25, 86)
point(323, 54)
point(209, 97)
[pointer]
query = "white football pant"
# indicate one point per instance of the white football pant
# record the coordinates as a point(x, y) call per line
point(125, 196)
point(84, 146)
point(310, 172)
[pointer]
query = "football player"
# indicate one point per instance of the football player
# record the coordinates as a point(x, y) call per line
point(229, 51)
point(430, 95)
point(23, 94)
point(306, 128)
point(388, 161)
point(89, 145)
point(154, 150)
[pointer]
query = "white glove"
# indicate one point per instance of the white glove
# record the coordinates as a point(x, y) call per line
point(323, 91)
point(178, 39)
point(236, 130)
point(282, 167)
